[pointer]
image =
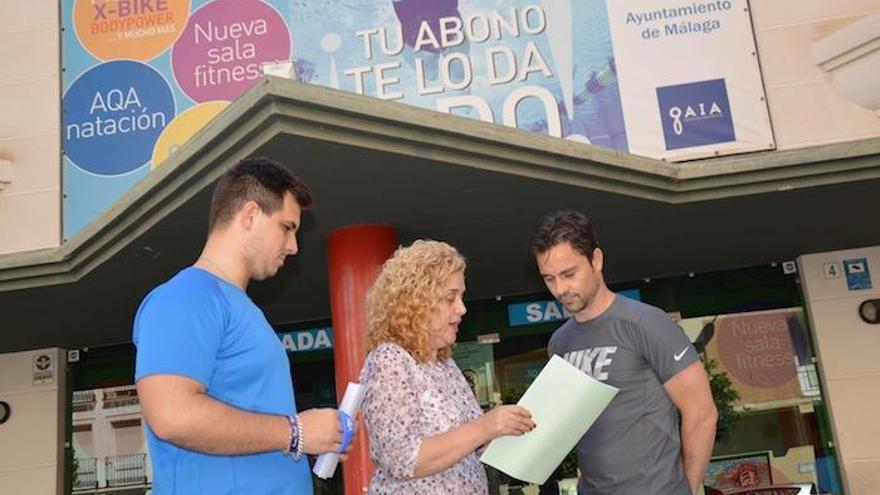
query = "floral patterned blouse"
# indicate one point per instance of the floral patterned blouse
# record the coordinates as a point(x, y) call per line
point(406, 402)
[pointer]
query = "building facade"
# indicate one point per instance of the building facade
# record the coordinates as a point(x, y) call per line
point(726, 150)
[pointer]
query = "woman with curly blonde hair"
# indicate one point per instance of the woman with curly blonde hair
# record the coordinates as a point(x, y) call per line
point(422, 418)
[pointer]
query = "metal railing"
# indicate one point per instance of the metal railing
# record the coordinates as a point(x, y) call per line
point(86, 474)
point(125, 395)
point(84, 400)
point(126, 470)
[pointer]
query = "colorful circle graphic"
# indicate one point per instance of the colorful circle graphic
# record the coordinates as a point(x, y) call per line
point(183, 127)
point(757, 349)
point(113, 115)
point(131, 29)
point(222, 49)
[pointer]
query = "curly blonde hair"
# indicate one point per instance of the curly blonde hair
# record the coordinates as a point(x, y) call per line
point(408, 291)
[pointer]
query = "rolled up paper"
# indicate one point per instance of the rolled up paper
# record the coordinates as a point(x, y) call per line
point(325, 466)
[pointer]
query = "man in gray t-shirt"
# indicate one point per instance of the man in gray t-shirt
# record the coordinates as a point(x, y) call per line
point(636, 447)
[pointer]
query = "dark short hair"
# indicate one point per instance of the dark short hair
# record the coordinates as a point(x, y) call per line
point(257, 179)
point(563, 226)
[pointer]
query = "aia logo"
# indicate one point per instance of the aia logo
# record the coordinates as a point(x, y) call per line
point(690, 114)
point(695, 114)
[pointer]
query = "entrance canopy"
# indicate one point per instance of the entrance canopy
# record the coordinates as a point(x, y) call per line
point(478, 186)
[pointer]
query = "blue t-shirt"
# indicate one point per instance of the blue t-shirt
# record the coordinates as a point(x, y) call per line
point(199, 326)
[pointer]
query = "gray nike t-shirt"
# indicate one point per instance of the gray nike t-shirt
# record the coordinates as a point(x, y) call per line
point(634, 447)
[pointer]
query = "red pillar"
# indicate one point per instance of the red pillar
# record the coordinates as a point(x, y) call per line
point(355, 255)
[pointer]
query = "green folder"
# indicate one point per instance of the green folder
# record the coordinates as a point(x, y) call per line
point(564, 402)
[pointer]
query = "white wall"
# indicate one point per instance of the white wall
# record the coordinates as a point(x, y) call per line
point(32, 453)
point(30, 113)
point(847, 349)
point(805, 107)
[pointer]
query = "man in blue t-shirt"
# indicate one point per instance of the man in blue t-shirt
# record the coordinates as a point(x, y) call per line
point(636, 446)
point(213, 378)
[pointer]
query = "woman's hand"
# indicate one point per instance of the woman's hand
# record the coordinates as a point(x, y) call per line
point(507, 420)
point(439, 452)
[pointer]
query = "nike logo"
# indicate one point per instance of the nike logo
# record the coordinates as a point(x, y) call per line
point(678, 355)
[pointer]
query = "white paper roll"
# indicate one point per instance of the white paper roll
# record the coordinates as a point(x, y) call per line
point(325, 466)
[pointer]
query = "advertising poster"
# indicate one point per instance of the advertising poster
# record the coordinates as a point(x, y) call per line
point(142, 76)
point(766, 354)
point(689, 77)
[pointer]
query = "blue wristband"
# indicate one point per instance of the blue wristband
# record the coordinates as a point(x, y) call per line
point(347, 430)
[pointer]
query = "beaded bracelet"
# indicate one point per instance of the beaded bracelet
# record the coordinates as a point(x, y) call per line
point(294, 450)
point(300, 438)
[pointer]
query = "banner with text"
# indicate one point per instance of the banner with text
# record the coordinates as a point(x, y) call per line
point(689, 78)
point(142, 76)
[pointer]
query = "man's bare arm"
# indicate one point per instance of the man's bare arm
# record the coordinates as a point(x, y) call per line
point(689, 390)
point(180, 412)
